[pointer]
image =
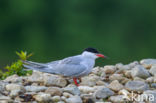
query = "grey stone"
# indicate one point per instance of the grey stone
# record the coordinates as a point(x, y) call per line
point(150, 80)
point(140, 71)
point(61, 102)
point(103, 93)
point(153, 70)
point(47, 79)
point(89, 80)
point(115, 85)
point(96, 70)
point(153, 85)
point(74, 99)
point(154, 79)
point(35, 88)
point(13, 79)
point(11, 87)
point(109, 69)
point(43, 97)
point(122, 70)
point(128, 74)
point(103, 76)
point(36, 77)
point(2, 86)
point(119, 65)
point(14, 89)
point(117, 99)
point(86, 89)
point(118, 77)
point(133, 64)
point(72, 89)
point(136, 86)
point(56, 99)
point(124, 67)
point(5, 99)
point(14, 93)
point(54, 91)
point(138, 79)
point(147, 63)
point(152, 95)
point(54, 80)
point(67, 95)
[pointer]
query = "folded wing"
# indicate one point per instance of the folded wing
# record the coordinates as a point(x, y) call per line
point(68, 67)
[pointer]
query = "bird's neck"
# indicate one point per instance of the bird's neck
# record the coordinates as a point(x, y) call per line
point(88, 62)
point(88, 55)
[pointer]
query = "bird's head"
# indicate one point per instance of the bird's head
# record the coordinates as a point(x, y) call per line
point(92, 53)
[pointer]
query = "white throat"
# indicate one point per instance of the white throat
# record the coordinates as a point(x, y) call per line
point(89, 55)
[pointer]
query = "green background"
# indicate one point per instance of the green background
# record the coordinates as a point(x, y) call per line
point(123, 30)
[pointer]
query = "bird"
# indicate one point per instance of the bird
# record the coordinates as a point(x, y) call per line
point(73, 66)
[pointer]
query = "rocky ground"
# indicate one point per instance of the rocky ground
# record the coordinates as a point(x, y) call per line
point(131, 83)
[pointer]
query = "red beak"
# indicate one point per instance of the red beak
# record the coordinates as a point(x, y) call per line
point(101, 55)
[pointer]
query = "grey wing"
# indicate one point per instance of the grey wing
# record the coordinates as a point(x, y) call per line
point(70, 66)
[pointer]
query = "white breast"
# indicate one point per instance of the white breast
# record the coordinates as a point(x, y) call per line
point(89, 64)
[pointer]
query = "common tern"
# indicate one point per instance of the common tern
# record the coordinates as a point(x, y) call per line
point(74, 66)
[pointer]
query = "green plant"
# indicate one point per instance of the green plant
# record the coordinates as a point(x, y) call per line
point(24, 55)
point(17, 67)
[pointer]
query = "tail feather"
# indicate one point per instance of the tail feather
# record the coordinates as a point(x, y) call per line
point(37, 66)
point(34, 63)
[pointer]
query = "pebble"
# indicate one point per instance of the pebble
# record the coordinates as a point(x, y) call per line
point(11, 87)
point(56, 98)
point(133, 64)
point(153, 70)
point(103, 93)
point(72, 89)
point(123, 92)
point(89, 80)
point(54, 80)
point(2, 86)
point(14, 79)
point(152, 94)
point(140, 71)
point(67, 95)
point(35, 88)
point(153, 85)
point(74, 99)
point(96, 70)
point(86, 89)
point(36, 77)
point(118, 77)
point(14, 89)
point(147, 63)
point(138, 86)
point(115, 85)
point(5, 99)
point(109, 69)
point(43, 97)
point(117, 99)
point(128, 74)
point(54, 91)
point(150, 80)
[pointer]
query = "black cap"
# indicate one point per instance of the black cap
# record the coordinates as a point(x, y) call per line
point(92, 50)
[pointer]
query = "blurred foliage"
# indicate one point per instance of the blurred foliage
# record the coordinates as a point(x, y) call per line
point(23, 55)
point(124, 30)
point(16, 67)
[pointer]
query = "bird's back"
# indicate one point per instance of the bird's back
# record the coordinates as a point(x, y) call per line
point(71, 66)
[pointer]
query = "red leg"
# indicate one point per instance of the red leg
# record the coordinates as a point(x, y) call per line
point(75, 81)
